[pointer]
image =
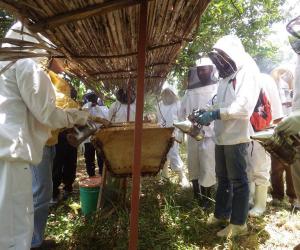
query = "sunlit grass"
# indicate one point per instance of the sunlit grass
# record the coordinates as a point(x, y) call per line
point(169, 218)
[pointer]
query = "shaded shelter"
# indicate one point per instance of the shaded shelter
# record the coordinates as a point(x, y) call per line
point(109, 43)
point(99, 38)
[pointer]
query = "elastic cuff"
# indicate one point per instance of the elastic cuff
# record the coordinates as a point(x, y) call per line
point(224, 114)
point(216, 114)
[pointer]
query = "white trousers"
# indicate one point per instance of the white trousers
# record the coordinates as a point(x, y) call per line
point(173, 156)
point(16, 207)
point(201, 161)
point(259, 164)
point(296, 175)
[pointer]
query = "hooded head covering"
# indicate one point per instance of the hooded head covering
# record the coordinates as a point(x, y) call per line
point(233, 47)
point(202, 75)
point(228, 55)
point(168, 94)
point(122, 96)
point(92, 97)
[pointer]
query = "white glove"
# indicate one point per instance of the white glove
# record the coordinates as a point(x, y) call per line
point(290, 125)
point(77, 117)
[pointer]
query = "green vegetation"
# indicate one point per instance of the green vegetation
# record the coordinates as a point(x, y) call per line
point(6, 20)
point(169, 219)
point(250, 20)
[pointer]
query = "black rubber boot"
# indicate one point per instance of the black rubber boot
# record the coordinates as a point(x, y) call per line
point(206, 193)
point(196, 189)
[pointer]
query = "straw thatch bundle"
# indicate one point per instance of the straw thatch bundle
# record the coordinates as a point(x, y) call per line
point(99, 37)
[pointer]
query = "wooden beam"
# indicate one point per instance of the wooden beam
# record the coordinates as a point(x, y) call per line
point(129, 54)
point(128, 77)
point(74, 15)
point(129, 70)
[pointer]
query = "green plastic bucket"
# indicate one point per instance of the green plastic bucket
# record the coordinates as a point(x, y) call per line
point(89, 191)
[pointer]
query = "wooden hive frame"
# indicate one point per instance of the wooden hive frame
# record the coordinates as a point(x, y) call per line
point(115, 145)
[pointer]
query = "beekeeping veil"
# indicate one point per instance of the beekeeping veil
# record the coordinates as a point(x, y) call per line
point(202, 75)
point(124, 96)
point(228, 55)
point(168, 95)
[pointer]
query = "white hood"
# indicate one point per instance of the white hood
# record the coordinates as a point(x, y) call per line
point(204, 61)
point(234, 48)
point(169, 87)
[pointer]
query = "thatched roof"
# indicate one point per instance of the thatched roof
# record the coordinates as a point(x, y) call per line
point(99, 37)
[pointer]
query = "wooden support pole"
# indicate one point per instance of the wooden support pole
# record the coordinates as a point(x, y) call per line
point(136, 166)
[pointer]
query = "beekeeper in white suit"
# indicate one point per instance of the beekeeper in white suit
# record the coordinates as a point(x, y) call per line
point(167, 112)
point(119, 111)
point(259, 160)
point(27, 115)
point(237, 94)
point(200, 91)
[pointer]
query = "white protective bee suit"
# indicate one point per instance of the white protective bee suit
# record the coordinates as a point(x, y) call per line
point(237, 95)
point(259, 161)
point(27, 115)
point(296, 109)
point(201, 154)
point(118, 112)
point(167, 114)
point(236, 105)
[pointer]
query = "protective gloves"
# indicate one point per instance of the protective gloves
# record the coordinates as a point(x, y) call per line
point(290, 125)
point(207, 117)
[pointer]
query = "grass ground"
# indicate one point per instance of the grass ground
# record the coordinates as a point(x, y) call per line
point(169, 219)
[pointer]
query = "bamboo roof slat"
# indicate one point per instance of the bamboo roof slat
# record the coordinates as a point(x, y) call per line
point(98, 38)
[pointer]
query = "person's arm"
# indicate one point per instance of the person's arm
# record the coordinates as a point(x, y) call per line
point(112, 112)
point(158, 113)
point(246, 98)
point(38, 94)
point(182, 110)
point(241, 108)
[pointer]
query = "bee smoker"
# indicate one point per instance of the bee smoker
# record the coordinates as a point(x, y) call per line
point(190, 126)
point(81, 133)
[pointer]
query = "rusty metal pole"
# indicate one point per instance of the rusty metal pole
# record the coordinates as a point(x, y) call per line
point(128, 100)
point(136, 166)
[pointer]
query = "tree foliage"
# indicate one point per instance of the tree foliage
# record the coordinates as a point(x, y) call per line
point(248, 19)
point(6, 20)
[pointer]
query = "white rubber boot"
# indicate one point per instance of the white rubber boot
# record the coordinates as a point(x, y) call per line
point(260, 201)
point(233, 230)
point(212, 220)
point(251, 194)
point(165, 171)
point(183, 181)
